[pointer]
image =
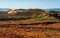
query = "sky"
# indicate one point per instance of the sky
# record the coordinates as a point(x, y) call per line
point(28, 4)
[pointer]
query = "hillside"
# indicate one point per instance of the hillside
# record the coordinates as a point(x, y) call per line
point(31, 23)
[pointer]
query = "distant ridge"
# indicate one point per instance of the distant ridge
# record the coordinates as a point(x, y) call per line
point(4, 9)
point(53, 9)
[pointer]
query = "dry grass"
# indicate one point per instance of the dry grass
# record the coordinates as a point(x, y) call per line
point(30, 31)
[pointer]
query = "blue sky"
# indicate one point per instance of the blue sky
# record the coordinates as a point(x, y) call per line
point(25, 4)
